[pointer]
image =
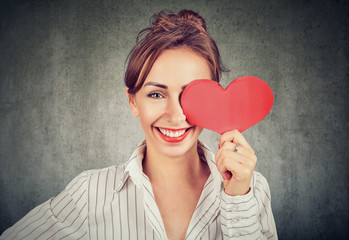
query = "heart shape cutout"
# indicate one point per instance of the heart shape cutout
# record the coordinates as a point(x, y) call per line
point(245, 102)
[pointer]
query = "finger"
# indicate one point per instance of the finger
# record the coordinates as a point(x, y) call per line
point(234, 136)
point(230, 146)
point(227, 175)
point(247, 160)
point(222, 168)
point(236, 170)
point(226, 146)
point(243, 155)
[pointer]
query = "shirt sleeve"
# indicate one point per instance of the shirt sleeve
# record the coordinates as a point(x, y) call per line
point(62, 217)
point(249, 216)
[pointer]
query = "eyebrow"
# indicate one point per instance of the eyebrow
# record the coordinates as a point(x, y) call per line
point(159, 85)
point(156, 85)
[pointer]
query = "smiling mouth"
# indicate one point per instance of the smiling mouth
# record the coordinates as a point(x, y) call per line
point(172, 133)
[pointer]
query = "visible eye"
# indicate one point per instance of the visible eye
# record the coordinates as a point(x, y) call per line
point(155, 95)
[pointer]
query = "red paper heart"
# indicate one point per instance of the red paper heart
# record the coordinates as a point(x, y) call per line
point(245, 102)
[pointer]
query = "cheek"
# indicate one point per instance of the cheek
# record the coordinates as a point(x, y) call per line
point(150, 112)
point(199, 130)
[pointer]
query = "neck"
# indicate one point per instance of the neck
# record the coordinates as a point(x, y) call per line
point(168, 171)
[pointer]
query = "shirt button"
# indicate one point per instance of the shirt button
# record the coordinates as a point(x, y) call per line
point(236, 220)
point(237, 234)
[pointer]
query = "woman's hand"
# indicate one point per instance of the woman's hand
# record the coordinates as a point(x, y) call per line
point(236, 166)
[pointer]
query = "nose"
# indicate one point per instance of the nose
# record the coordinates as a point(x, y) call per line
point(174, 111)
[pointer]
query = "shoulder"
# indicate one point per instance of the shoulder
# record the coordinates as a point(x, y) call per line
point(94, 185)
point(111, 173)
point(94, 178)
point(115, 169)
point(84, 180)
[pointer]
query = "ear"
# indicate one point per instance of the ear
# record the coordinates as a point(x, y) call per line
point(132, 102)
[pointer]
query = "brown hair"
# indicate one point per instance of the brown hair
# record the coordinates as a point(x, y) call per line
point(168, 30)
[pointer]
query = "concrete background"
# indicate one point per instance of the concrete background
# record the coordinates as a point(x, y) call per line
point(63, 106)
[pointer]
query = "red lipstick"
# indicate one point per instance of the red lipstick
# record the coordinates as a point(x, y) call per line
point(173, 139)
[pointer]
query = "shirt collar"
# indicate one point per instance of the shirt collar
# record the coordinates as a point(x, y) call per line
point(133, 167)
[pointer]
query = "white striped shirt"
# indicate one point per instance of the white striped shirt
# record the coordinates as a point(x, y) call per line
point(118, 203)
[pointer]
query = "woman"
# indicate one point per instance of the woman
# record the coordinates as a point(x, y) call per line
point(173, 186)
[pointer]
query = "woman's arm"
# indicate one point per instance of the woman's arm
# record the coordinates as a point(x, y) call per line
point(246, 209)
point(59, 217)
point(249, 216)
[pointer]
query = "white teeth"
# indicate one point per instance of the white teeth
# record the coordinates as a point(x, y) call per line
point(170, 133)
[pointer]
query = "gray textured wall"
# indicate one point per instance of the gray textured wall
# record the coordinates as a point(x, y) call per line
point(63, 107)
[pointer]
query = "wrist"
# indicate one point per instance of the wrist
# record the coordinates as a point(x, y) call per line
point(238, 192)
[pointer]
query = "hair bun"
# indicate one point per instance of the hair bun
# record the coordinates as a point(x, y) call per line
point(168, 21)
point(169, 31)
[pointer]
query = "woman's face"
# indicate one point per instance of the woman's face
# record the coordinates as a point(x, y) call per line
point(157, 103)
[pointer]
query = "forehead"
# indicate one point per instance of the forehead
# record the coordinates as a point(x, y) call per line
point(178, 67)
